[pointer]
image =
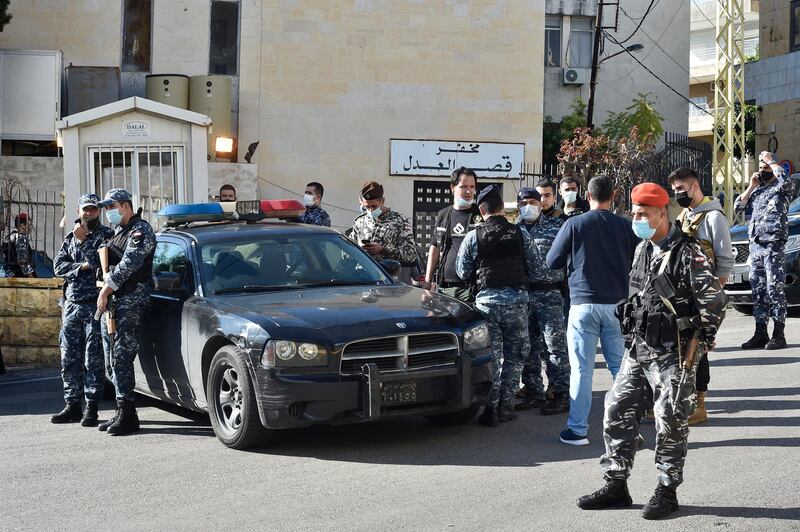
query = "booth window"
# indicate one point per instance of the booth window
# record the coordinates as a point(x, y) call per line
point(137, 31)
point(794, 45)
point(580, 42)
point(552, 40)
point(223, 57)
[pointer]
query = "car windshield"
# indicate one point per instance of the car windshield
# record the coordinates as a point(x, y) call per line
point(265, 263)
point(794, 208)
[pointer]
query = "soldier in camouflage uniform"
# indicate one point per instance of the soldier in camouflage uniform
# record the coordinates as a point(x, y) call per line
point(382, 232)
point(548, 335)
point(81, 347)
point(130, 283)
point(675, 301)
point(312, 198)
point(769, 194)
point(498, 255)
point(18, 255)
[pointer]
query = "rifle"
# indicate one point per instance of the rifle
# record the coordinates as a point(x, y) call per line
point(691, 359)
point(111, 321)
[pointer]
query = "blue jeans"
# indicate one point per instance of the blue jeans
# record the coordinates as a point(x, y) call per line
point(588, 323)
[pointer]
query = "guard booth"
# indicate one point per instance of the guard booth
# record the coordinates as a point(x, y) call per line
point(155, 151)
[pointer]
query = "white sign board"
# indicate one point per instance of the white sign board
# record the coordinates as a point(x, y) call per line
point(30, 94)
point(441, 157)
point(136, 128)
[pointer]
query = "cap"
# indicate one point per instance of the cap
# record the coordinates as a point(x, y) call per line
point(528, 193)
point(491, 190)
point(649, 195)
point(115, 195)
point(88, 200)
point(371, 190)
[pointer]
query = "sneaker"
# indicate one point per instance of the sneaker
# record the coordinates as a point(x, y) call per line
point(570, 438)
point(663, 502)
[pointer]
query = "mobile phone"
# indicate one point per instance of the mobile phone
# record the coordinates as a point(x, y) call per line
point(365, 242)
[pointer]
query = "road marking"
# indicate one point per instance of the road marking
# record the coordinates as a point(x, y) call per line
point(54, 377)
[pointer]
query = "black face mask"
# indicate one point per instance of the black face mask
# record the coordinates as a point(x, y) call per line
point(683, 198)
point(764, 176)
point(91, 225)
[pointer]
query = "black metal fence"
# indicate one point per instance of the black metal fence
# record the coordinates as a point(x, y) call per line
point(45, 210)
point(680, 150)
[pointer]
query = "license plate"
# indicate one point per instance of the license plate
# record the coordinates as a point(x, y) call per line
point(736, 278)
point(398, 392)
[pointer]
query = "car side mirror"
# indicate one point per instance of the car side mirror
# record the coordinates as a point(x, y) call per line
point(391, 266)
point(168, 282)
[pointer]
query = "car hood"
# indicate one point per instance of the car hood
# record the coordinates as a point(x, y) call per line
point(738, 233)
point(344, 313)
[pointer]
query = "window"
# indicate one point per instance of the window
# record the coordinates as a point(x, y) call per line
point(137, 26)
point(794, 43)
point(552, 41)
point(580, 42)
point(224, 54)
point(170, 258)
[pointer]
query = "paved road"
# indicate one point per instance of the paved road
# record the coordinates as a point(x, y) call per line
point(742, 469)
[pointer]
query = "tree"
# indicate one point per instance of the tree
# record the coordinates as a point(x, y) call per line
point(640, 114)
point(554, 133)
point(749, 129)
point(5, 17)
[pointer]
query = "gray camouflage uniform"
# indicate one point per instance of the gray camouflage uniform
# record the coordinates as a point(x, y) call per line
point(659, 364)
point(391, 230)
point(81, 348)
point(506, 313)
point(315, 215)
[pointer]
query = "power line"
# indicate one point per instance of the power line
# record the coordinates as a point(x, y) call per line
point(639, 25)
point(667, 85)
point(702, 13)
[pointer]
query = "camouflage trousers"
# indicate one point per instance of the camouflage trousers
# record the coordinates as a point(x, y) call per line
point(622, 414)
point(508, 330)
point(767, 278)
point(548, 339)
point(81, 352)
point(129, 311)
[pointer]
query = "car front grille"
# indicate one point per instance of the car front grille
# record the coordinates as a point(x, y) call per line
point(398, 353)
point(741, 252)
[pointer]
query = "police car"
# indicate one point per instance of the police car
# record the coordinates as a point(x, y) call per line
point(270, 325)
point(738, 288)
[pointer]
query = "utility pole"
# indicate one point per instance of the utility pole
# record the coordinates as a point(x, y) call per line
point(598, 35)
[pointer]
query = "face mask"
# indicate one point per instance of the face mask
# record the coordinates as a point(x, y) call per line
point(464, 203)
point(529, 212)
point(308, 200)
point(764, 176)
point(376, 213)
point(113, 216)
point(643, 230)
point(683, 198)
point(569, 197)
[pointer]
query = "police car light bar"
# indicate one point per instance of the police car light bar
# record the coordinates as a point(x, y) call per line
point(184, 213)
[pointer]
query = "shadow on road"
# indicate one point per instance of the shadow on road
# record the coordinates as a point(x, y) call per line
point(731, 407)
point(746, 512)
point(745, 442)
point(754, 361)
point(716, 421)
point(753, 392)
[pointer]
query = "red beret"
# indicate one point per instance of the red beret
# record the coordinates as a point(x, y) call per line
point(650, 195)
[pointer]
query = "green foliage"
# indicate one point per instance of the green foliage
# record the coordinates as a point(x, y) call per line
point(754, 57)
point(5, 17)
point(554, 133)
point(641, 114)
point(749, 130)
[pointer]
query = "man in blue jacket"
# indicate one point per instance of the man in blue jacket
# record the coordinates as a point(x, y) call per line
point(597, 249)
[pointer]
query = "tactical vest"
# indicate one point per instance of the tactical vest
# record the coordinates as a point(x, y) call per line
point(445, 242)
point(117, 246)
point(501, 260)
point(690, 225)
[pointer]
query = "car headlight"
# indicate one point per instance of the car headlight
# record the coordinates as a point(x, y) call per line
point(792, 245)
point(289, 353)
point(477, 337)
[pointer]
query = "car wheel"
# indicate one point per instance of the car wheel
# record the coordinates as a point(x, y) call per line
point(455, 418)
point(231, 401)
point(744, 309)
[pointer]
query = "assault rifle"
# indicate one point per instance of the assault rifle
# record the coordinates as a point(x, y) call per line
point(111, 321)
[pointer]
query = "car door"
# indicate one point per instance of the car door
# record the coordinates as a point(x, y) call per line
point(161, 368)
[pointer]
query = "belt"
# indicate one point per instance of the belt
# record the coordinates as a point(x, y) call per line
point(453, 284)
point(543, 287)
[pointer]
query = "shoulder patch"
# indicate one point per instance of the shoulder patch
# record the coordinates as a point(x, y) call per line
point(137, 237)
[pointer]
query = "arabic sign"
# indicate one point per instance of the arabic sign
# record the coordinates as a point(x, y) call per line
point(440, 157)
point(136, 128)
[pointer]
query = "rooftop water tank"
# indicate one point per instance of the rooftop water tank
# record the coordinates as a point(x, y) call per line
point(171, 89)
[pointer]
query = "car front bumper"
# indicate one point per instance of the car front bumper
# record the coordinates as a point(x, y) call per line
point(289, 399)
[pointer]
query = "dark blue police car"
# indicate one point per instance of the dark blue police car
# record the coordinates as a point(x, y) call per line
point(275, 325)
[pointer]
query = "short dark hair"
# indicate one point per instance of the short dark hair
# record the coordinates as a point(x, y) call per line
point(226, 186)
point(492, 203)
point(683, 173)
point(546, 183)
point(455, 177)
point(569, 179)
point(601, 188)
point(318, 187)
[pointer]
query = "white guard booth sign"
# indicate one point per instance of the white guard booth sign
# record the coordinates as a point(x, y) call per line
point(136, 129)
point(441, 157)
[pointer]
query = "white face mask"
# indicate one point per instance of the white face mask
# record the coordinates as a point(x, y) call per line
point(376, 213)
point(308, 200)
point(569, 197)
point(529, 212)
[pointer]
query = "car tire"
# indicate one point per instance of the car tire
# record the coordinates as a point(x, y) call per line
point(460, 417)
point(744, 309)
point(231, 401)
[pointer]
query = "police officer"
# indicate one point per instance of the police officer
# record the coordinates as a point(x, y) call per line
point(18, 255)
point(451, 226)
point(499, 254)
point(672, 316)
point(130, 282)
point(769, 194)
point(571, 204)
point(548, 337)
point(81, 347)
point(312, 199)
point(381, 231)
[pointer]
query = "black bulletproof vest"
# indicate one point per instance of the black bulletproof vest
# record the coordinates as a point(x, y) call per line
point(117, 246)
point(501, 262)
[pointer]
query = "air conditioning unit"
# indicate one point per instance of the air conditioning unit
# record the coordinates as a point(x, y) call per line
point(576, 76)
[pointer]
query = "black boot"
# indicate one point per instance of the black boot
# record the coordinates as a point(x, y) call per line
point(105, 424)
point(89, 415)
point(557, 405)
point(663, 502)
point(70, 414)
point(530, 400)
point(614, 494)
point(759, 339)
point(489, 417)
point(778, 340)
point(506, 412)
point(127, 421)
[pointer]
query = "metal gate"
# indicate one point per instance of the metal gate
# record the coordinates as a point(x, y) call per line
point(154, 174)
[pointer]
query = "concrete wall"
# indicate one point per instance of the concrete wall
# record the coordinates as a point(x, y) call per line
point(775, 23)
point(243, 177)
point(40, 173)
point(30, 320)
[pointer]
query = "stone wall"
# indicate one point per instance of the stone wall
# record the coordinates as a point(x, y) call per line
point(37, 173)
point(30, 320)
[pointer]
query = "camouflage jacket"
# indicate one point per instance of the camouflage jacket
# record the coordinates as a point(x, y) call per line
point(19, 260)
point(391, 230)
point(770, 203)
point(80, 285)
point(315, 215)
point(140, 247)
point(543, 232)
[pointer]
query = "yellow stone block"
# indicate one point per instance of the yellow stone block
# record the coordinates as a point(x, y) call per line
point(44, 331)
point(8, 301)
point(30, 355)
point(50, 356)
point(16, 331)
point(32, 302)
point(9, 355)
point(55, 297)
